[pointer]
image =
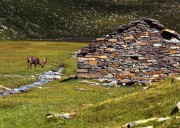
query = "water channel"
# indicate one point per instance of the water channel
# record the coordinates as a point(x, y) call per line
point(44, 78)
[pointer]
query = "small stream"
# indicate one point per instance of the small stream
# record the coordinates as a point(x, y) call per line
point(44, 78)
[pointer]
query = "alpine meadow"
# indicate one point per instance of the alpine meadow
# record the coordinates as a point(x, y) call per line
point(89, 64)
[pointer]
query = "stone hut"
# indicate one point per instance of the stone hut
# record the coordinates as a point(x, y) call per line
point(142, 51)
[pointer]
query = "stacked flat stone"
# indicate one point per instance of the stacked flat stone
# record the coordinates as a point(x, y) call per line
point(142, 51)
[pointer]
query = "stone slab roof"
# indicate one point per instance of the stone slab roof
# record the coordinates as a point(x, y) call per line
point(141, 51)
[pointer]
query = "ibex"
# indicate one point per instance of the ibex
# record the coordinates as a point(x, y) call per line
point(35, 60)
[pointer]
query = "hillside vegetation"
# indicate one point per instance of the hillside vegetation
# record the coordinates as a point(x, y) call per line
point(53, 19)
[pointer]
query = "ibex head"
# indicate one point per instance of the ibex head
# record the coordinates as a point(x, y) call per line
point(35, 60)
point(43, 63)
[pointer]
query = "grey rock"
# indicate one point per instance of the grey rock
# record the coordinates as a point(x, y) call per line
point(178, 106)
point(81, 89)
point(176, 109)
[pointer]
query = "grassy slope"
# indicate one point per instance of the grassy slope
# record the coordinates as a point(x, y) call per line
point(27, 19)
point(111, 107)
point(96, 107)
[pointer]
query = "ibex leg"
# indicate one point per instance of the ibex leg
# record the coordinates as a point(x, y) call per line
point(30, 65)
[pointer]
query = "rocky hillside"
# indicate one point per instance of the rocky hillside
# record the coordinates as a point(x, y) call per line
point(53, 19)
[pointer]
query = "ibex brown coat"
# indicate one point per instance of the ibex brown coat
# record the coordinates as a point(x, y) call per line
point(35, 60)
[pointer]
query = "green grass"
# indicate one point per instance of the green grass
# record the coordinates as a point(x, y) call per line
point(96, 107)
point(111, 107)
point(13, 60)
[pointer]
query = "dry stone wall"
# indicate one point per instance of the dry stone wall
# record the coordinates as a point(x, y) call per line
point(141, 51)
